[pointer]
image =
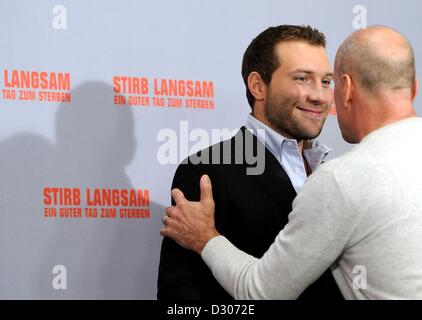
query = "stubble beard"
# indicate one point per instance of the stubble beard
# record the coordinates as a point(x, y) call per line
point(279, 113)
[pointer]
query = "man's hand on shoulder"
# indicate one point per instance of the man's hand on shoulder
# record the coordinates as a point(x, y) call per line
point(191, 224)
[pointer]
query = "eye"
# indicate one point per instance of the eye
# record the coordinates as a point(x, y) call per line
point(327, 82)
point(302, 79)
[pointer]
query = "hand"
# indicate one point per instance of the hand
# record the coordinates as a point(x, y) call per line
point(189, 223)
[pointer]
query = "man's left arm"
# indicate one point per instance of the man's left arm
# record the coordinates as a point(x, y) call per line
point(319, 227)
point(318, 231)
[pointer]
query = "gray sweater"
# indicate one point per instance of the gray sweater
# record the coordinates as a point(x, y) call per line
point(360, 214)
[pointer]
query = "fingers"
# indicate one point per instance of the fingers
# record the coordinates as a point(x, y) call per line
point(178, 196)
point(170, 210)
point(165, 232)
point(206, 192)
point(206, 189)
point(170, 228)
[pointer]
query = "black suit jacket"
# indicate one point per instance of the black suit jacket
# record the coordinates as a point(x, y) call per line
point(250, 211)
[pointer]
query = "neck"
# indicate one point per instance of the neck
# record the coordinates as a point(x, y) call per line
point(261, 117)
point(394, 109)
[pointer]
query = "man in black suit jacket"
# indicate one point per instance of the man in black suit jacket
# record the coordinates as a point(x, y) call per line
point(287, 76)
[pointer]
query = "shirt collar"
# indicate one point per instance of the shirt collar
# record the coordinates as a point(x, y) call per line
point(273, 140)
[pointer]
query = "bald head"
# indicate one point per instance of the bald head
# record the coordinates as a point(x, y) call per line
point(378, 58)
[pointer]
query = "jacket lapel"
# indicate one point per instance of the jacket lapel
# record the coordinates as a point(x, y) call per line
point(274, 179)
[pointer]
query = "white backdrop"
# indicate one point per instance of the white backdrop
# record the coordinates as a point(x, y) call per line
point(94, 153)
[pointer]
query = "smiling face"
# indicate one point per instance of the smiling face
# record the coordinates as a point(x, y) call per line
point(299, 95)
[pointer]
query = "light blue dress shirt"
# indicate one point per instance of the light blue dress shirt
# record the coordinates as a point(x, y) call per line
point(287, 152)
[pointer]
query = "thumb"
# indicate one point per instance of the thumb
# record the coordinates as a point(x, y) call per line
point(177, 196)
point(206, 189)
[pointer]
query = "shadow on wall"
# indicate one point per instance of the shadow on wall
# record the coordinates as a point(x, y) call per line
point(104, 258)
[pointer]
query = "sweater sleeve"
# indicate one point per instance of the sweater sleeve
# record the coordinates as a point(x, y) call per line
point(318, 230)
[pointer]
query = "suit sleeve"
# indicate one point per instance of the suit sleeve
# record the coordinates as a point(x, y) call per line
point(182, 273)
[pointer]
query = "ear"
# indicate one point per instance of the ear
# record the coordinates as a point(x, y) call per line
point(415, 89)
point(333, 110)
point(257, 86)
point(347, 90)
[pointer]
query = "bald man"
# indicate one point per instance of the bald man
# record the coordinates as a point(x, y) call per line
point(359, 214)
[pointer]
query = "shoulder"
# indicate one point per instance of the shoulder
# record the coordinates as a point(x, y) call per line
point(219, 153)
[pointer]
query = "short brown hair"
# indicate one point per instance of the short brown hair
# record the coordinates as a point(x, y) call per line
point(261, 57)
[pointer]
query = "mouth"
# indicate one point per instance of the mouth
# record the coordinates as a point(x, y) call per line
point(313, 113)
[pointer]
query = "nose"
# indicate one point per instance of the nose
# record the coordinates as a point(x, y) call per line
point(319, 95)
